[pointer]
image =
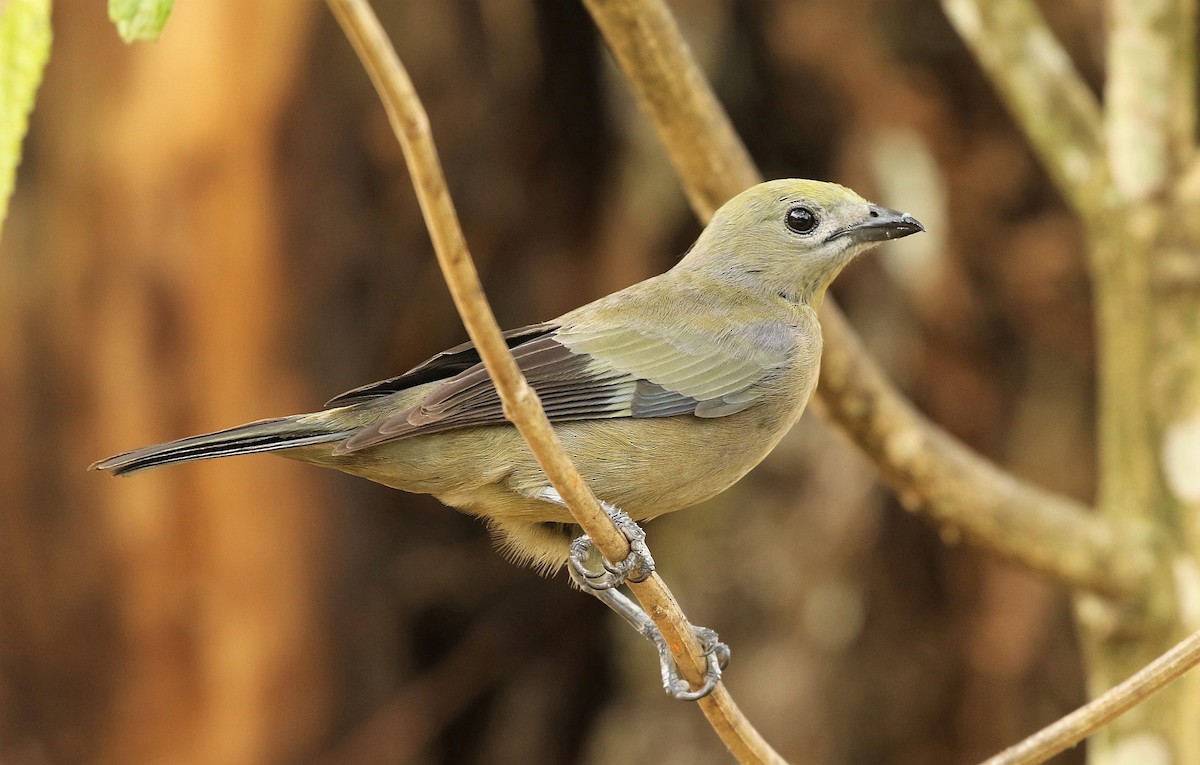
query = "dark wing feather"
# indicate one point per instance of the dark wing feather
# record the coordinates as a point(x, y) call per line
point(571, 386)
point(444, 365)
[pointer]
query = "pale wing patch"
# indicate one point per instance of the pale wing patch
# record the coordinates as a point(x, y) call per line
point(719, 372)
point(662, 369)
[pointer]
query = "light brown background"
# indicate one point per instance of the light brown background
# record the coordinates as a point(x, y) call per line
point(218, 227)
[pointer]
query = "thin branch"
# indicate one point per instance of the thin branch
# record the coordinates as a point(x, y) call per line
point(411, 125)
point(402, 727)
point(928, 468)
point(708, 155)
point(521, 404)
point(1150, 93)
point(1045, 93)
point(1083, 722)
point(933, 473)
point(1188, 185)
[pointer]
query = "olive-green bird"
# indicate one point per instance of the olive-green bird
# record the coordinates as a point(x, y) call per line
point(664, 393)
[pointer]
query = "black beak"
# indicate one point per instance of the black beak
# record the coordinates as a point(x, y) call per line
point(881, 225)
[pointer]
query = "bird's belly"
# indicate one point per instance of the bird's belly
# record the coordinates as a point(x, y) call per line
point(652, 467)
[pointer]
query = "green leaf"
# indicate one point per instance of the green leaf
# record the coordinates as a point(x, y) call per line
point(24, 48)
point(139, 19)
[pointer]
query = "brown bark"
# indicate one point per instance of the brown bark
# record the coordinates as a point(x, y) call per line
point(163, 272)
point(857, 636)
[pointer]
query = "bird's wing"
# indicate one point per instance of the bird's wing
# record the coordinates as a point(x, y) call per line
point(610, 360)
point(440, 367)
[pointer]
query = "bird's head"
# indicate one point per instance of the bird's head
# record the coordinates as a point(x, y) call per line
point(793, 236)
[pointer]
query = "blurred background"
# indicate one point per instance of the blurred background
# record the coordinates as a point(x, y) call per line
point(219, 227)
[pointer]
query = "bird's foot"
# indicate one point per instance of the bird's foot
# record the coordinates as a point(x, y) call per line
point(715, 653)
point(636, 567)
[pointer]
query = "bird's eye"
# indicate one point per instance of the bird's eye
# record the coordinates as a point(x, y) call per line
point(801, 220)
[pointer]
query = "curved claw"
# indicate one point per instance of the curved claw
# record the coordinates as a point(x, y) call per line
point(636, 567)
point(716, 653)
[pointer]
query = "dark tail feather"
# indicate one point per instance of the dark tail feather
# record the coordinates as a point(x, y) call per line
point(261, 436)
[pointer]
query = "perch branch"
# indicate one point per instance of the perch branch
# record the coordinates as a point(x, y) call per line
point(521, 404)
point(927, 467)
point(1040, 85)
point(1083, 722)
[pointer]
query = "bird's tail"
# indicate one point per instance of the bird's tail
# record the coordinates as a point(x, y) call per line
point(252, 438)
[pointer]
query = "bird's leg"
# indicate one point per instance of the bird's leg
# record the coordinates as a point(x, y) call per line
point(636, 567)
point(716, 652)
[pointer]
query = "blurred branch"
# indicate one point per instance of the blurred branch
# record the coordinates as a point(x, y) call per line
point(1150, 93)
point(935, 474)
point(927, 467)
point(521, 404)
point(1086, 720)
point(1048, 98)
point(709, 156)
point(401, 728)
point(1188, 185)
